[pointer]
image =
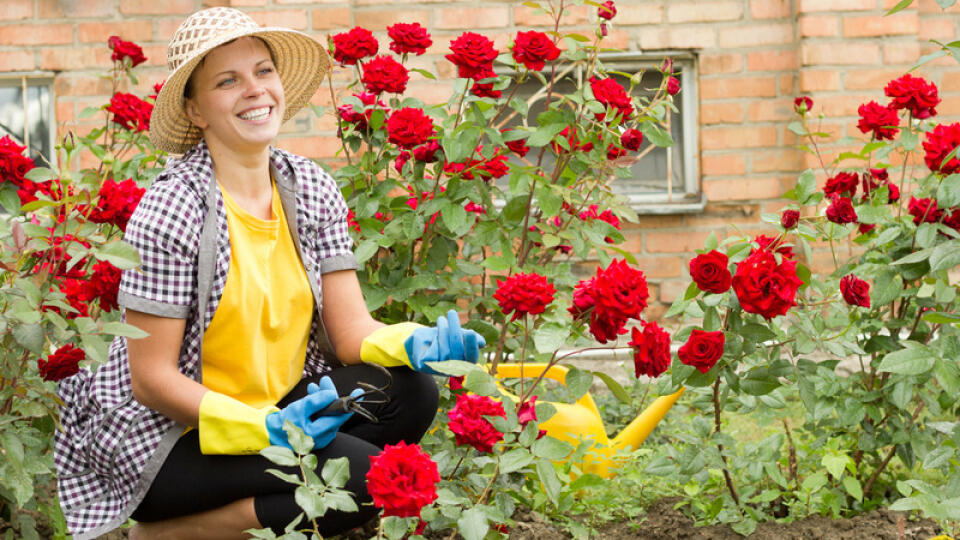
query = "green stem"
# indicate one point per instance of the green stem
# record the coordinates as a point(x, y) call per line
point(726, 468)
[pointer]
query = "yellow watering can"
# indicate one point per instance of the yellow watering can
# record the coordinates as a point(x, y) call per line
point(578, 421)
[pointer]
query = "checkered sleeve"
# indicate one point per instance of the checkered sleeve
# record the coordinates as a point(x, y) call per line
point(334, 244)
point(165, 230)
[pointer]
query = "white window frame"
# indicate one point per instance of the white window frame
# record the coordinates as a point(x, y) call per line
point(25, 80)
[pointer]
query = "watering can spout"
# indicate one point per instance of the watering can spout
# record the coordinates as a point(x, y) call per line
point(637, 431)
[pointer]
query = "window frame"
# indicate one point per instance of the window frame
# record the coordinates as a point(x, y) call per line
point(25, 80)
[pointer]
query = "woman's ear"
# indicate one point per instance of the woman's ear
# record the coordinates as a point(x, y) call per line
point(192, 110)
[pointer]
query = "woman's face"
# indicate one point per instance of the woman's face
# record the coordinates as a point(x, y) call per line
point(237, 99)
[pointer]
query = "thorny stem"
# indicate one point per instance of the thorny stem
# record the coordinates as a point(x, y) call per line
point(343, 143)
point(792, 456)
point(726, 468)
point(457, 467)
point(523, 349)
point(553, 361)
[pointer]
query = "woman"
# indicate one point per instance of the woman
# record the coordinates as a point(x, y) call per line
point(249, 294)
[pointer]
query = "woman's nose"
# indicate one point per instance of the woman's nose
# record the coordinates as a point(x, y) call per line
point(254, 88)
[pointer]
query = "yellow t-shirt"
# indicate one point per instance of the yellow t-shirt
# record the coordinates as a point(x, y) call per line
point(255, 347)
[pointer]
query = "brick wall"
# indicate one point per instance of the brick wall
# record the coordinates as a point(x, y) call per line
point(754, 57)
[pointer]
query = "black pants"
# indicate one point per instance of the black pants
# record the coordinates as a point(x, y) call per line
point(190, 482)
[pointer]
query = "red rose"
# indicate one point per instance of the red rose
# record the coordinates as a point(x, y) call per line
point(938, 143)
point(609, 299)
point(130, 111)
point(533, 49)
point(913, 93)
point(384, 74)
point(517, 146)
point(573, 142)
point(485, 90)
point(524, 293)
point(893, 193)
point(409, 127)
point(924, 210)
point(953, 220)
point(156, 90)
point(651, 350)
point(882, 121)
point(864, 228)
point(126, 49)
point(495, 167)
point(427, 152)
point(856, 291)
point(104, 283)
point(764, 287)
point(789, 219)
point(116, 202)
point(402, 480)
point(473, 55)
point(358, 43)
point(609, 92)
point(468, 424)
point(614, 152)
point(880, 175)
point(360, 119)
point(63, 363)
point(607, 10)
point(774, 244)
point(841, 211)
point(702, 349)
point(402, 159)
point(631, 139)
point(802, 104)
point(475, 208)
point(709, 271)
point(409, 38)
point(456, 383)
point(13, 164)
point(673, 86)
point(843, 183)
point(77, 295)
point(527, 411)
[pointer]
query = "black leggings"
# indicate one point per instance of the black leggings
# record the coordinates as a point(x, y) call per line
point(190, 482)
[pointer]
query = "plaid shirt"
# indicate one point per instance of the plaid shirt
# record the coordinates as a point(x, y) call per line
point(112, 447)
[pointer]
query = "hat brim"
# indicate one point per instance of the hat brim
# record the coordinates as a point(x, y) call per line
point(301, 62)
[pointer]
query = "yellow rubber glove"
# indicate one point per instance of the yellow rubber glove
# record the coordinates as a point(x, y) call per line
point(229, 426)
point(385, 346)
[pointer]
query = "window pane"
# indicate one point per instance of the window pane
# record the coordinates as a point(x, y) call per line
point(37, 117)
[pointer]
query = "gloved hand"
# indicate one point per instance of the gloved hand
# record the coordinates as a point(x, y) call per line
point(412, 344)
point(323, 429)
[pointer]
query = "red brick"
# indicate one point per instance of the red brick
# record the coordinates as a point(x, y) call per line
point(775, 160)
point(772, 60)
point(334, 18)
point(36, 34)
point(950, 79)
point(841, 54)
point(819, 26)
point(524, 16)
point(672, 289)
point(721, 113)
point(69, 58)
point(18, 60)
point(315, 147)
point(156, 55)
point(874, 78)
point(811, 6)
point(880, 25)
point(661, 267)
point(98, 32)
point(725, 214)
point(730, 87)
point(64, 114)
point(167, 27)
point(819, 80)
point(939, 29)
point(378, 20)
point(155, 7)
point(722, 138)
point(294, 18)
point(950, 106)
point(646, 222)
point(248, 3)
point(55, 9)
point(932, 6)
point(723, 164)
point(681, 37)
point(742, 189)
point(771, 110)
point(618, 39)
point(711, 64)
point(77, 84)
point(675, 242)
point(770, 9)
point(16, 9)
point(944, 61)
point(756, 35)
point(216, 3)
point(902, 52)
point(685, 12)
point(646, 13)
point(472, 17)
point(788, 84)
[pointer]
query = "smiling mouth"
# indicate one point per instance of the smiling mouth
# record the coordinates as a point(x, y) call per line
point(256, 114)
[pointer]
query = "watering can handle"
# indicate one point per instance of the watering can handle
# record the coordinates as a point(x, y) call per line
point(556, 372)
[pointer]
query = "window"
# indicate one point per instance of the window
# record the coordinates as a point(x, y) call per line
point(664, 180)
point(27, 114)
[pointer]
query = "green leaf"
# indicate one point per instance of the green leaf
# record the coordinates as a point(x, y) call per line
point(515, 209)
point(340, 500)
point(806, 186)
point(281, 455)
point(903, 4)
point(123, 329)
point(366, 250)
point(549, 480)
point(120, 254)
point(454, 368)
point(550, 337)
point(887, 287)
point(915, 257)
point(310, 501)
point(835, 464)
point(852, 485)
point(495, 263)
point(551, 448)
point(948, 193)
point(515, 459)
point(912, 361)
point(615, 388)
point(336, 472)
point(9, 198)
point(656, 135)
point(473, 524)
point(926, 235)
point(31, 336)
point(481, 382)
point(300, 442)
point(945, 256)
point(578, 382)
point(759, 381)
point(395, 527)
point(814, 482)
point(40, 174)
point(455, 218)
point(544, 134)
point(425, 73)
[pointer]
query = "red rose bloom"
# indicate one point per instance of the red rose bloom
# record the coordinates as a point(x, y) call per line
point(651, 350)
point(360, 119)
point(631, 139)
point(953, 220)
point(609, 299)
point(573, 142)
point(709, 271)
point(864, 228)
point(673, 86)
point(384, 74)
point(116, 202)
point(63, 363)
point(485, 90)
point(774, 244)
point(789, 219)
point(802, 104)
point(938, 143)
point(358, 43)
point(607, 10)
point(880, 175)
point(409, 38)
point(409, 127)
point(495, 167)
point(609, 92)
point(518, 147)
point(841, 211)
point(456, 383)
point(468, 424)
point(527, 411)
point(893, 192)
point(533, 49)
point(843, 184)
point(702, 349)
point(427, 152)
point(614, 152)
point(524, 293)
point(126, 49)
point(764, 287)
point(856, 291)
point(473, 55)
point(130, 111)
point(475, 208)
point(924, 210)
point(913, 93)
point(402, 480)
point(104, 284)
point(880, 120)
point(77, 295)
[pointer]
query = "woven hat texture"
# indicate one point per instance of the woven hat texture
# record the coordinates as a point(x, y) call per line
point(301, 64)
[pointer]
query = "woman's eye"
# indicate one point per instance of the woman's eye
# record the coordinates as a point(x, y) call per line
point(225, 82)
point(266, 70)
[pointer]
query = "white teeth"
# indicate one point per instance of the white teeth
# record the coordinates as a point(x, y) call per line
point(256, 114)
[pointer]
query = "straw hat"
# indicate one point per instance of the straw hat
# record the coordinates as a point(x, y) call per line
point(301, 64)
